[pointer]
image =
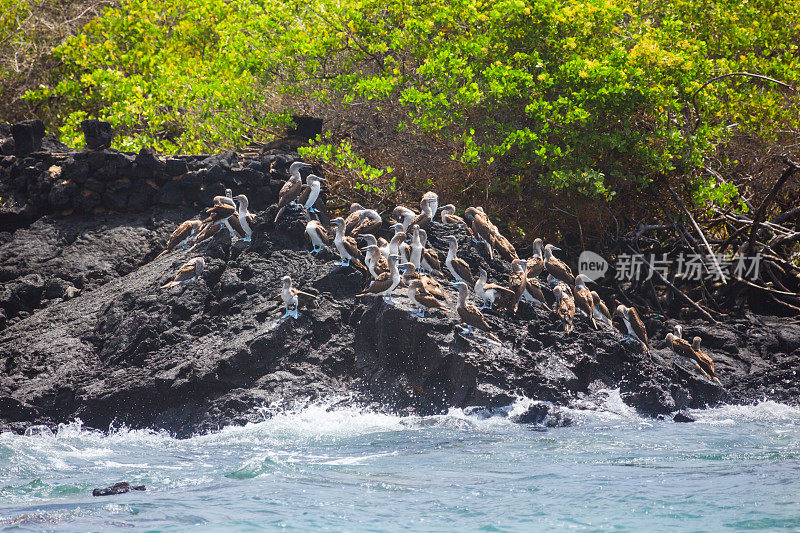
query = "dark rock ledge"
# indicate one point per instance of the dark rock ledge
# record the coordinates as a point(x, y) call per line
point(86, 332)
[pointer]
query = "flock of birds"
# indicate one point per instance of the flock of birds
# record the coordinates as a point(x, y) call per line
point(407, 260)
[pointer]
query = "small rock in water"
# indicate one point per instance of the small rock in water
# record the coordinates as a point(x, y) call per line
point(682, 417)
point(117, 488)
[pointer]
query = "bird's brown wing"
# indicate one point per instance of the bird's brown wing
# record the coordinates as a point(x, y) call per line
point(462, 269)
point(180, 233)
point(289, 192)
point(207, 232)
point(559, 270)
point(305, 192)
point(602, 306)
point(430, 255)
point(683, 349)
point(219, 212)
point(472, 317)
point(706, 363)
point(583, 300)
point(352, 247)
point(351, 222)
point(422, 220)
point(237, 226)
point(381, 266)
point(434, 288)
point(517, 282)
point(535, 290)
point(378, 285)
point(535, 266)
point(427, 299)
point(185, 272)
point(507, 249)
point(482, 227)
point(367, 226)
point(305, 299)
point(638, 326)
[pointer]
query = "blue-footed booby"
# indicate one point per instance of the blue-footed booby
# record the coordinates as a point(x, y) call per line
point(318, 235)
point(423, 219)
point(423, 299)
point(687, 355)
point(291, 189)
point(583, 298)
point(353, 218)
point(404, 215)
point(416, 248)
point(600, 311)
point(458, 267)
point(369, 221)
point(704, 360)
point(531, 290)
point(376, 263)
point(397, 240)
point(309, 195)
point(241, 221)
point(429, 284)
point(386, 282)
point(634, 325)
point(190, 271)
point(469, 314)
point(481, 228)
point(565, 306)
point(294, 299)
point(431, 199)
point(182, 235)
point(556, 267)
point(536, 260)
point(227, 199)
point(491, 293)
point(346, 246)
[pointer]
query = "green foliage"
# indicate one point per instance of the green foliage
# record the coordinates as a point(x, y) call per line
point(587, 95)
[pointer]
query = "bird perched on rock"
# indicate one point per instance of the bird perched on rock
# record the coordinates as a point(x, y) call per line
point(182, 235)
point(397, 240)
point(369, 221)
point(634, 326)
point(227, 199)
point(404, 215)
point(190, 271)
point(353, 219)
point(583, 298)
point(219, 212)
point(481, 228)
point(294, 299)
point(457, 266)
point(318, 235)
point(703, 359)
point(386, 282)
point(525, 288)
point(449, 217)
point(599, 310)
point(565, 306)
point(536, 260)
point(429, 284)
point(346, 246)
point(491, 293)
point(423, 299)
point(309, 195)
point(291, 189)
point(376, 263)
point(416, 248)
point(469, 314)
point(240, 222)
point(556, 267)
point(424, 218)
point(208, 231)
point(431, 199)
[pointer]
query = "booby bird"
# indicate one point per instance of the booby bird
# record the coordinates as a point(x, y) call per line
point(565, 306)
point(310, 193)
point(346, 246)
point(599, 310)
point(416, 248)
point(182, 235)
point(404, 215)
point(458, 267)
point(240, 222)
point(556, 267)
point(190, 271)
point(376, 263)
point(525, 288)
point(431, 199)
point(206, 233)
point(481, 228)
point(369, 222)
point(430, 284)
point(536, 260)
point(634, 325)
point(469, 314)
point(449, 217)
point(504, 246)
point(219, 212)
point(583, 298)
point(291, 189)
point(386, 282)
point(227, 199)
point(704, 360)
point(423, 299)
point(293, 298)
point(424, 218)
point(686, 355)
point(430, 261)
point(491, 293)
point(394, 244)
point(353, 218)
point(318, 235)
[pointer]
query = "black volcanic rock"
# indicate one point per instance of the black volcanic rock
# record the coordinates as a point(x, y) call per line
point(97, 134)
point(28, 136)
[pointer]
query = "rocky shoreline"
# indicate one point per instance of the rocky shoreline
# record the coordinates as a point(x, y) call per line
point(85, 331)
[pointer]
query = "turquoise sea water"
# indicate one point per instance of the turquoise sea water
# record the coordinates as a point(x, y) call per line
point(317, 468)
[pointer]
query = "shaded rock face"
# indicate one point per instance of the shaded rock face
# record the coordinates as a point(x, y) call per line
point(208, 354)
point(97, 134)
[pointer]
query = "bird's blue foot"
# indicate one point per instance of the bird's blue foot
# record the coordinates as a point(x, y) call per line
point(246, 239)
point(287, 313)
point(475, 240)
point(294, 314)
point(421, 312)
point(466, 331)
point(312, 210)
point(233, 234)
point(388, 299)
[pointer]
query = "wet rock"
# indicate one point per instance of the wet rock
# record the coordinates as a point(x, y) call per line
point(682, 417)
point(117, 488)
